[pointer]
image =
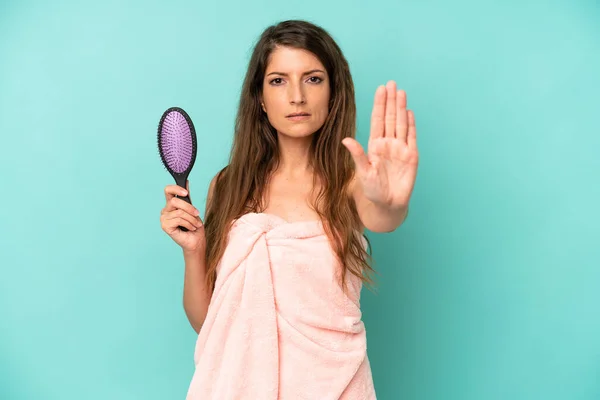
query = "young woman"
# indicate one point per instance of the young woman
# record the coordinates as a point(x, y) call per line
point(273, 274)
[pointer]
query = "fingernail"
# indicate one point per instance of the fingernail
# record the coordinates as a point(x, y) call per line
point(196, 212)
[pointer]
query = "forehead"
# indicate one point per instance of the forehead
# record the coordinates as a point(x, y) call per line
point(288, 59)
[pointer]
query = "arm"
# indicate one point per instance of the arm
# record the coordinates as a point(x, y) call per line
point(196, 296)
point(385, 176)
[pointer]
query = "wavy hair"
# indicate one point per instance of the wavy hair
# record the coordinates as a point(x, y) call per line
point(240, 186)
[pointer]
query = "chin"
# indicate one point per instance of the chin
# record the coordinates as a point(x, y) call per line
point(296, 133)
point(298, 130)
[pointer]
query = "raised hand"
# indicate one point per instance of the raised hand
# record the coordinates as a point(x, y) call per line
point(387, 172)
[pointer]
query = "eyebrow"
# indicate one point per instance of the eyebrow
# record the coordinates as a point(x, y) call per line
point(306, 73)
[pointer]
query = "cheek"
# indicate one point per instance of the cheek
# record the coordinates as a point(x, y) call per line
point(274, 99)
point(324, 100)
point(323, 108)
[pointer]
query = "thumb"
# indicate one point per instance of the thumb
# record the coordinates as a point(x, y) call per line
point(358, 154)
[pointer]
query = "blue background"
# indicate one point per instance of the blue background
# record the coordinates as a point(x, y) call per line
point(488, 291)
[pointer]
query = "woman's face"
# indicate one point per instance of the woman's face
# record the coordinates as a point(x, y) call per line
point(295, 82)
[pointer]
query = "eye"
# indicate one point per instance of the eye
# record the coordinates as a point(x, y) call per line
point(273, 81)
point(315, 79)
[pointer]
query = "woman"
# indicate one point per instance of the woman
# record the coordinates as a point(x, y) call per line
point(273, 274)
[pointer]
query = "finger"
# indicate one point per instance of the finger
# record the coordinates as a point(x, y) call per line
point(358, 154)
point(412, 130)
point(401, 116)
point(377, 115)
point(390, 110)
point(181, 214)
point(172, 190)
point(171, 221)
point(179, 204)
point(174, 223)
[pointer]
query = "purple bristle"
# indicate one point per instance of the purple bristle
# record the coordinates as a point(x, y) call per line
point(176, 142)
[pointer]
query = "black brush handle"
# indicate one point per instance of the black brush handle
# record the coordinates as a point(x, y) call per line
point(181, 182)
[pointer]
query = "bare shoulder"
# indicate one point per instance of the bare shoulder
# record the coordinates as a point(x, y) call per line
point(212, 186)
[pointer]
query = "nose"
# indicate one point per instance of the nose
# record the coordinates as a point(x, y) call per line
point(296, 94)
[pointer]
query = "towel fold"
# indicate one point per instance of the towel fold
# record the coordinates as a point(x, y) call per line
point(279, 325)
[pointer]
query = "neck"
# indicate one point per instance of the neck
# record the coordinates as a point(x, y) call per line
point(294, 156)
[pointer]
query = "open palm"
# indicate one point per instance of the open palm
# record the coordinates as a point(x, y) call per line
point(387, 172)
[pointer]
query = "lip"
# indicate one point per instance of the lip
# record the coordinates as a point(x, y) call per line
point(298, 116)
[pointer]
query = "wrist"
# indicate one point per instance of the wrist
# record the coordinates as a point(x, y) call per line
point(396, 214)
point(194, 253)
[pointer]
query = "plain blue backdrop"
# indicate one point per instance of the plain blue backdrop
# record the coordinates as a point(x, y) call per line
point(490, 290)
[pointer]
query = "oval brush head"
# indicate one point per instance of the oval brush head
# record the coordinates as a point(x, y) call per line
point(177, 146)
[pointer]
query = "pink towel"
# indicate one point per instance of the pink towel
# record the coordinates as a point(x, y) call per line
point(279, 326)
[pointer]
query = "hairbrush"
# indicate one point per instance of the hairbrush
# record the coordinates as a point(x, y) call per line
point(177, 146)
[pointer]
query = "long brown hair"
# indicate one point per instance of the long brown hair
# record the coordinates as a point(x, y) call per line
point(240, 186)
